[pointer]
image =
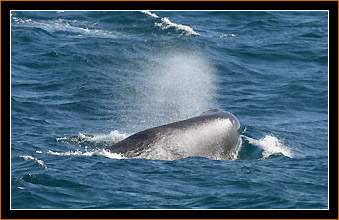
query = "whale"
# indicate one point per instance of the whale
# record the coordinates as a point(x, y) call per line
point(214, 134)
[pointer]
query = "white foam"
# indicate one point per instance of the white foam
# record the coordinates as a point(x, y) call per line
point(227, 35)
point(166, 23)
point(91, 140)
point(40, 162)
point(97, 152)
point(270, 145)
point(20, 20)
point(66, 25)
point(150, 14)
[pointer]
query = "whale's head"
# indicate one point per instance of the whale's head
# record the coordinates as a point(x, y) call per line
point(216, 113)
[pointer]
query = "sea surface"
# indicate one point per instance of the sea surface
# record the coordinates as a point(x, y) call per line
point(84, 80)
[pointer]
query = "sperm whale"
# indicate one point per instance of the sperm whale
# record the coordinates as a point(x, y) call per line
point(214, 134)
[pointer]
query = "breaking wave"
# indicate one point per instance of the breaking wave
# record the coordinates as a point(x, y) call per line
point(166, 24)
point(40, 162)
point(78, 28)
point(270, 145)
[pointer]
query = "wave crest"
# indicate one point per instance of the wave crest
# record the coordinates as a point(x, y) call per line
point(40, 162)
point(270, 146)
point(166, 23)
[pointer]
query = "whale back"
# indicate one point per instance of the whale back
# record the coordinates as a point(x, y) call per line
point(213, 134)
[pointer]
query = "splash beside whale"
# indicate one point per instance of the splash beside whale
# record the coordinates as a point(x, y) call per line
point(214, 134)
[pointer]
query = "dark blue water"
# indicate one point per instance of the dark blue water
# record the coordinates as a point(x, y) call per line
point(81, 81)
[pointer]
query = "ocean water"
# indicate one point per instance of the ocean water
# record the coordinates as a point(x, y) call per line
point(82, 81)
